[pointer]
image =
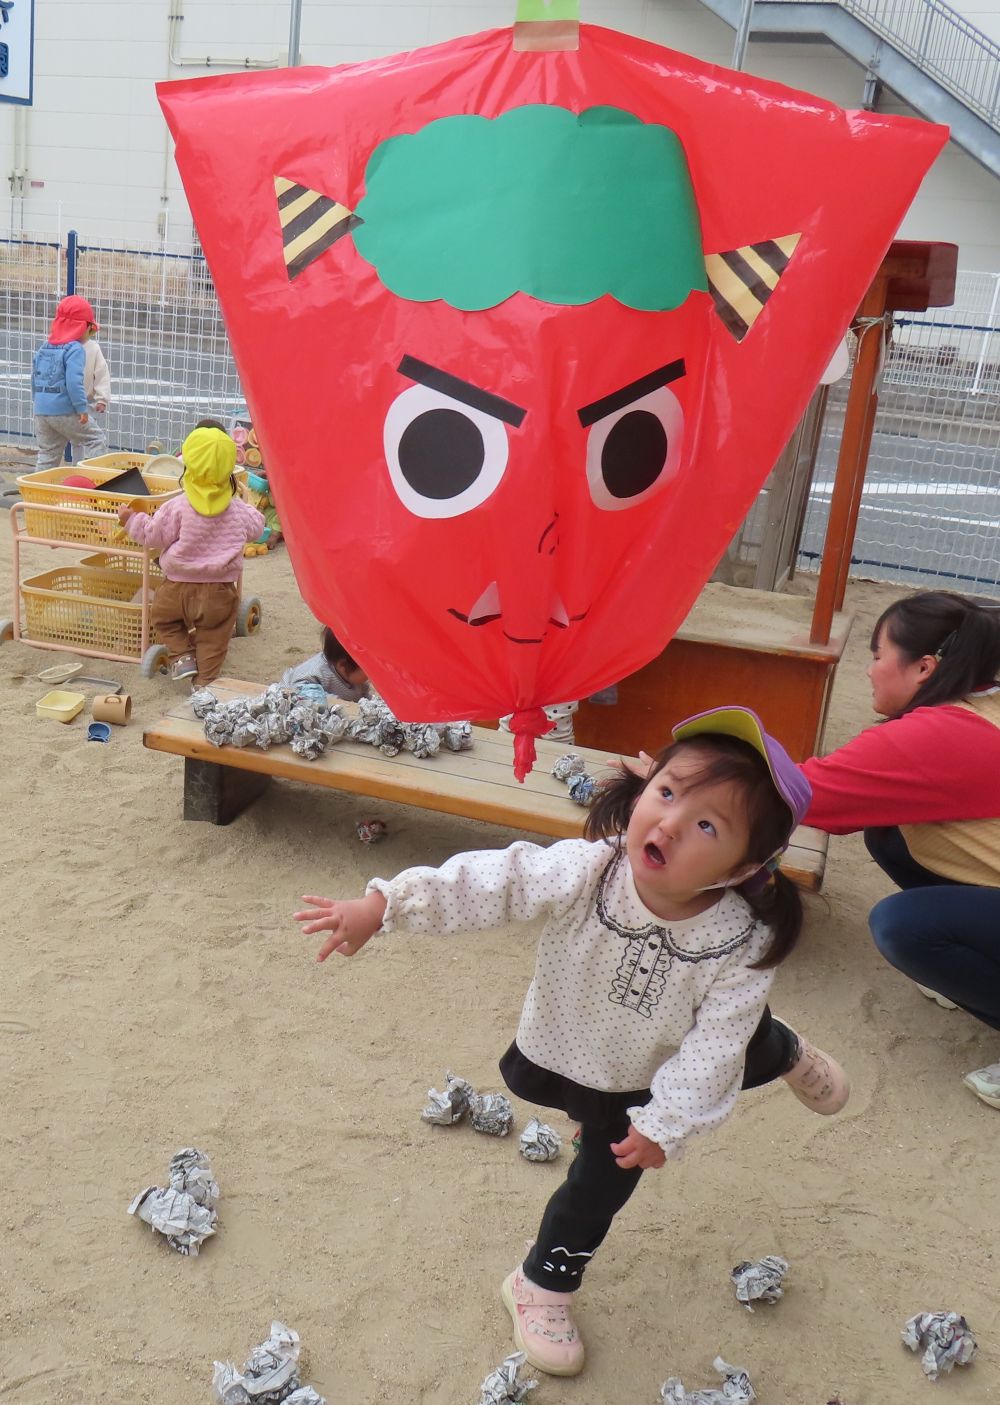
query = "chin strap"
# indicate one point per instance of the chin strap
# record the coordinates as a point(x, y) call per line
point(754, 882)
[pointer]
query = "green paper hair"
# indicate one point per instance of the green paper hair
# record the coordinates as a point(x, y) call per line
point(561, 206)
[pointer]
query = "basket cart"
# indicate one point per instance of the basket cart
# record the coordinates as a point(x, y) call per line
point(99, 605)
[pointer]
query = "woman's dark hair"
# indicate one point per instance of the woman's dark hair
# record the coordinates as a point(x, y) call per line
point(334, 652)
point(769, 821)
point(962, 635)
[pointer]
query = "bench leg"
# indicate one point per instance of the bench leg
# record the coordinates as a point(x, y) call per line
point(219, 793)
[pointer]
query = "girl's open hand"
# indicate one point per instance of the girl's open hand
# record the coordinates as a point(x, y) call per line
point(350, 924)
point(124, 513)
point(639, 767)
point(637, 1150)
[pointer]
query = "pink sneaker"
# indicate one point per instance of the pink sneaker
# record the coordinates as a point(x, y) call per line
point(543, 1326)
point(817, 1080)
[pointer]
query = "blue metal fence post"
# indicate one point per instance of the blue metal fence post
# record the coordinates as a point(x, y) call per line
point(71, 257)
point(71, 241)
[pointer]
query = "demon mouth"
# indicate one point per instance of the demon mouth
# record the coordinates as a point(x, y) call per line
point(487, 610)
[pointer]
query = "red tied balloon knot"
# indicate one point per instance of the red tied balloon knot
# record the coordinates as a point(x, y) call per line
point(526, 726)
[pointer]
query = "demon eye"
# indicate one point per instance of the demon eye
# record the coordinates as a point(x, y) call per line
point(444, 457)
point(634, 452)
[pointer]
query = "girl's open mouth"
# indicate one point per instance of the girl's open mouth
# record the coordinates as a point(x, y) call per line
point(653, 856)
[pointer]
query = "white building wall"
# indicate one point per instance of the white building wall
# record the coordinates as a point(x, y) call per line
point(95, 149)
point(984, 14)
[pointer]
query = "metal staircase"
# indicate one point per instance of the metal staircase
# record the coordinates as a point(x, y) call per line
point(926, 52)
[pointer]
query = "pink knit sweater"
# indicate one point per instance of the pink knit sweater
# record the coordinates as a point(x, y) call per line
point(196, 548)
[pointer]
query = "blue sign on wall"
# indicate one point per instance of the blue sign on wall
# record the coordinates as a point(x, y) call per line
point(17, 50)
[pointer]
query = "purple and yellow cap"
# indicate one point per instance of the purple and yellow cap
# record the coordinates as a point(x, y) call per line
point(740, 722)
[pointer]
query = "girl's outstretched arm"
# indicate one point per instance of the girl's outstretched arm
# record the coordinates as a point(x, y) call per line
point(350, 923)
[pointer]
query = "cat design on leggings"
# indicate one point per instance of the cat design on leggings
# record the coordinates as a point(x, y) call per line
point(566, 1268)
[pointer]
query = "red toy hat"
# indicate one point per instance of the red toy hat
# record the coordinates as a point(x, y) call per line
point(73, 316)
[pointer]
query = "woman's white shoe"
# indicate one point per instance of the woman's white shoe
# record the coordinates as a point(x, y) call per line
point(985, 1083)
point(941, 1000)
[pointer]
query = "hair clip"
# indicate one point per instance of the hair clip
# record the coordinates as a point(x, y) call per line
point(945, 644)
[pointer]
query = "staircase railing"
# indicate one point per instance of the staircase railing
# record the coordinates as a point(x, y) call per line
point(943, 44)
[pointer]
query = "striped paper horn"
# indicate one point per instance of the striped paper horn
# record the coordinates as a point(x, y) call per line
point(310, 223)
point(742, 280)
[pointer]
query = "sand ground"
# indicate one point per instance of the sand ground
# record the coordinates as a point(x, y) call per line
point(154, 993)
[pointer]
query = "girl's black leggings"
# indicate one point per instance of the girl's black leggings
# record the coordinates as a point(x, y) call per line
point(580, 1213)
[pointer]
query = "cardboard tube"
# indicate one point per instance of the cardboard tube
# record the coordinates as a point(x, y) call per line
point(112, 707)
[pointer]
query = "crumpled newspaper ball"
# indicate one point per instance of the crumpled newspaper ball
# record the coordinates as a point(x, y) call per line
point(370, 831)
point(203, 700)
point(760, 1280)
point(945, 1338)
point(736, 1388)
point(564, 768)
point(446, 1108)
point(185, 1212)
point(539, 1142)
point(270, 1374)
point(582, 790)
point(491, 1113)
point(501, 1387)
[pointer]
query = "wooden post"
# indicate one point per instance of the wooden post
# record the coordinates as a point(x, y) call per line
point(913, 277)
point(846, 555)
point(851, 461)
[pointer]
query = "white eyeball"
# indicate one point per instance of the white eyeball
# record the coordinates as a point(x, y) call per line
point(444, 457)
point(634, 452)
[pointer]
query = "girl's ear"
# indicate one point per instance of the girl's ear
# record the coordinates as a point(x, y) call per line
point(926, 666)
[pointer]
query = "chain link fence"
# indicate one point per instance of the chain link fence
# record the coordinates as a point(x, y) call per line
point(930, 514)
point(161, 332)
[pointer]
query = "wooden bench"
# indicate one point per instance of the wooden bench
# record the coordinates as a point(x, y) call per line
point(220, 782)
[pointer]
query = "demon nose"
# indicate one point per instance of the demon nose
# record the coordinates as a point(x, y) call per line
point(549, 540)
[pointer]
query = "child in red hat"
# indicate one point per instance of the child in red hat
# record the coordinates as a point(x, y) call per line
point(62, 411)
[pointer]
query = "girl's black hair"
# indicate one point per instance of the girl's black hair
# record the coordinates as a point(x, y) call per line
point(961, 634)
point(769, 820)
point(334, 652)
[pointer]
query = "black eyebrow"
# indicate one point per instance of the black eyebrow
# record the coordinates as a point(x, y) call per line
point(618, 399)
point(472, 395)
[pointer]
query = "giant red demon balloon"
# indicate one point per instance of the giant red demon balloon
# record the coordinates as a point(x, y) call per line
point(524, 333)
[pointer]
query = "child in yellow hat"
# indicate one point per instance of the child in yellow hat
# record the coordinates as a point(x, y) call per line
point(201, 535)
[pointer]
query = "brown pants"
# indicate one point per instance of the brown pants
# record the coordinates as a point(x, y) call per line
point(196, 617)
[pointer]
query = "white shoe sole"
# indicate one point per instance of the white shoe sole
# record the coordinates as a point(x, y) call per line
point(990, 1099)
point(507, 1293)
point(941, 1000)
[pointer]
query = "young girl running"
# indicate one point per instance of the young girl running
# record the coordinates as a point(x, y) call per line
point(647, 1012)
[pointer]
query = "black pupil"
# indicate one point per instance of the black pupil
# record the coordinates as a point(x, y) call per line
point(634, 454)
point(441, 453)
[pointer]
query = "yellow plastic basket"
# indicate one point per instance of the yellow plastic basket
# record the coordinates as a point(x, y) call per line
point(86, 607)
point(131, 565)
point(46, 489)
